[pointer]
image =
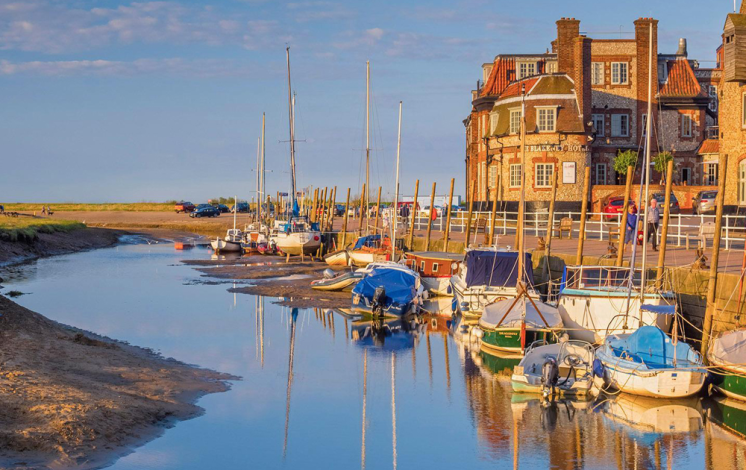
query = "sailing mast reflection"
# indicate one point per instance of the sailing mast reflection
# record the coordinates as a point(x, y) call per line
point(293, 317)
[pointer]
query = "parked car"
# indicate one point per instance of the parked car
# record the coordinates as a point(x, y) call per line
point(615, 206)
point(205, 210)
point(242, 207)
point(661, 198)
point(184, 206)
point(425, 212)
point(222, 208)
point(339, 210)
point(704, 202)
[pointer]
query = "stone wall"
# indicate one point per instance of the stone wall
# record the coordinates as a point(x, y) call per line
point(684, 194)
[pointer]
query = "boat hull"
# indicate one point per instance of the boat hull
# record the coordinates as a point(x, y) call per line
point(472, 300)
point(338, 258)
point(364, 258)
point(509, 339)
point(667, 383)
point(439, 286)
point(343, 282)
point(298, 243)
point(226, 246)
point(732, 385)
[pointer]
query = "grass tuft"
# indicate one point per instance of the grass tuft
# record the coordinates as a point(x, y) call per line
point(27, 229)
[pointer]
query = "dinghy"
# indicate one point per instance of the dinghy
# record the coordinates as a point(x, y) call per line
point(230, 244)
point(338, 258)
point(389, 289)
point(337, 282)
point(561, 369)
point(727, 353)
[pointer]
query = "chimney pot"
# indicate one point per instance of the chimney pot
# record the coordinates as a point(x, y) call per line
point(682, 48)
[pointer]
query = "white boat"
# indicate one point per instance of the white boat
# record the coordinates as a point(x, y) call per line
point(254, 235)
point(338, 258)
point(435, 269)
point(230, 244)
point(652, 416)
point(727, 353)
point(650, 363)
point(560, 369)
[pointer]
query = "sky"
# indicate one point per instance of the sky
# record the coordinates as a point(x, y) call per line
point(120, 101)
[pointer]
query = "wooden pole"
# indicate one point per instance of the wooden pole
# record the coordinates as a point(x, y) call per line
point(550, 220)
point(712, 285)
point(664, 232)
point(344, 225)
point(313, 206)
point(414, 213)
point(468, 217)
point(332, 208)
point(491, 239)
point(625, 213)
point(362, 211)
point(583, 212)
point(447, 229)
point(430, 219)
point(378, 213)
point(322, 207)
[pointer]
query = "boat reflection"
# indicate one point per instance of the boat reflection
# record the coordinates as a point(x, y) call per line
point(725, 440)
point(728, 414)
point(389, 334)
point(651, 416)
point(442, 306)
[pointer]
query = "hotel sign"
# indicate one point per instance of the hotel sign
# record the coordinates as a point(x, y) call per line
point(559, 148)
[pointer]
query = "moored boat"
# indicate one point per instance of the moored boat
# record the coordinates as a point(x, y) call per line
point(254, 235)
point(230, 244)
point(370, 249)
point(561, 369)
point(435, 269)
point(389, 289)
point(727, 353)
point(338, 258)
point(296, 236)
point(342, 281)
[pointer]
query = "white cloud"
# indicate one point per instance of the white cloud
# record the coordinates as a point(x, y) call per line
point(319, 11)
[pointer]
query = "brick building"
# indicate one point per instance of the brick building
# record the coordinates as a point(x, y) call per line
point(609, 81)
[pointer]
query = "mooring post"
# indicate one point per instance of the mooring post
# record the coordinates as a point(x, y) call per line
point(322, 208)
point(583, 213)
point(447, 229)
point(712, 285)
point(414, 214)
point(333, 209)
point(664, 231)
point(430, 218)
point(378, 214)
point(491, 239)
point(625, 213)
point(313, 205)
point(550, 224)
point(468, 217)
point(361, 215)
point(344, 225)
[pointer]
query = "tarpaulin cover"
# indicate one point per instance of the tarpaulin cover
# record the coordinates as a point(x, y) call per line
point(659, 309)
point(494, 312)
point(399, 284)
point(729, 349)
point(369, 241)
point(651, 346)
point(496, 268)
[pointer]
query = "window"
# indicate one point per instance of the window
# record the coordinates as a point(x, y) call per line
point(493, 177)
point(686, 125)
point(644, 125)
point(620, 125)
point(551, 67)
point(435, 267)
point(544, 173)
point(597, 73)
point(619, 73)
point(711, 174)
point(515, 176)
point(526, 69)
point(515, 121)
point(742, 183)
point(600, 173)
point(686, 176)
point(547, 119)
point(493, 123)
point(422, 266)
point(713, 92)
point(599, 122)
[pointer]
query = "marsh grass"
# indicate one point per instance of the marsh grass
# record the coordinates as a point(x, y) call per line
point(69, 206)
point(28, 228)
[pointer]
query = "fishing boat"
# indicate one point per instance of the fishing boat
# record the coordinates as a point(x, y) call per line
point(595, 301)
point(727, 353)
point(650, 363)
point(435, 269)
point(390, 289)
point(561, 369)
point(338, 282)
point(488, 275)
point(254, 235)
point(511, 325)
point(338, 258)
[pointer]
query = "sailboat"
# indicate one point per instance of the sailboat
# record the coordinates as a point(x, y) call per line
point(232, 241)
point(297, 235)
point(727, 353)
point(256, 234)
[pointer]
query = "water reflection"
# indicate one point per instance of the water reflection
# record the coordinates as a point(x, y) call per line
point(388, 334)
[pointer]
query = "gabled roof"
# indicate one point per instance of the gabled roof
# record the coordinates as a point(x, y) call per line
point(681, 83)
point(503, 72)
point(708, 147)
point(737, 20)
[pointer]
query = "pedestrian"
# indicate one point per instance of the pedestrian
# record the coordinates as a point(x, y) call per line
point(653, 219)
point(43, 210)
point(631, 229)
point(405, 214)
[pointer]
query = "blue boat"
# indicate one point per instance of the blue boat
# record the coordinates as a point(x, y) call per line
point(390, 289)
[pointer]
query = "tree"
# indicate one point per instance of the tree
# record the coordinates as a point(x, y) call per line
point(624, 160)
point(661, 161)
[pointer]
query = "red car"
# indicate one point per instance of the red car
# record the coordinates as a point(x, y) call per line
point(184, 207)
point(614, 207)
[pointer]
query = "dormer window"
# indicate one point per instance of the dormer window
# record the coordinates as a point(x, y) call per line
point(526, 69)
point(547, 119)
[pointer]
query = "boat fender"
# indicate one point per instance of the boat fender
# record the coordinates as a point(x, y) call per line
point(329, 273)
point(598, 368)
point(549, 376)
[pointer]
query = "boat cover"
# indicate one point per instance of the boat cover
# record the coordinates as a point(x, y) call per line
point(729, 348)
point(496, 268)
point(494, 312)
point(650, 346)
point(399, 284)
point(659, 309)
point(369, 241)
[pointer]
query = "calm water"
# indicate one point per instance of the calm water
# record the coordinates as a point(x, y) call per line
point(311, 379)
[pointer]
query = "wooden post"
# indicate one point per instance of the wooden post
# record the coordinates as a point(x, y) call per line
point(344, 225)
point(625, 213)
point(468, 217)
point(712, 285)
point(664, 232)
point(332, 208)
point(550, 220)
point(583, 212)
point(491, 239)
point(430, 219)
point(378, 213)
point(447, 229)
point(362, 211)
point(313, 206)
point(414, 213)
point(322, 208)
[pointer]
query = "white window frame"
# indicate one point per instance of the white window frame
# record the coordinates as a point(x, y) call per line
point(712, 91)
point(711, 174)
point(422, 264)
point(435, 267)
point(598, 73)
point(514, 179)
point(493, 122)
point(687, 125)
point(600, 166)
point(620, 73)
point(600, 130)
point(620, 133)
point(543, 174)
point(541, 113)
point(523, 69)
point(492, 177)
point(551, 67)
point(515, 127)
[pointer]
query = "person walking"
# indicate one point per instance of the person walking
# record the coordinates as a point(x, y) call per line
point(631, 229)
point(405, 215)
point(653, 219)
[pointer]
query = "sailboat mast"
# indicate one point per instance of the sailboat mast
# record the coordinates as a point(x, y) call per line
point(261, 170)
point(396, 192)
point(235, 212)
point(291, 117)
point(367, 140)
point(521, 201)
point(648, 127)
point(258, 175)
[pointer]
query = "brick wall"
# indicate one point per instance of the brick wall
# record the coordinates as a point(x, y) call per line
point(684, 194)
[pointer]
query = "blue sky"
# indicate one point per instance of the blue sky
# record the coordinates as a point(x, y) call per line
point(104, 101)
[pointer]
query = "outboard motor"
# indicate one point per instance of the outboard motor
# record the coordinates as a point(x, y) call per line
point(549, 376)
point(379, 296)
point(329, 273)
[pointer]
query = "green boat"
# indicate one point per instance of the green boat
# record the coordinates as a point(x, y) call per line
point(727, 353)
point(729, 414)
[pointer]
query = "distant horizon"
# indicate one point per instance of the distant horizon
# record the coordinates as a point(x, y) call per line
point(158, 101)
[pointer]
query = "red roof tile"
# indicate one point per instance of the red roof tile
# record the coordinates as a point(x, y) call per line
point(514, 89)
point(503, 72)
point(681, 83)
point(709, 146)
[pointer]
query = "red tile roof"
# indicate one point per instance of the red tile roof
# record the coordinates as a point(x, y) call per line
point(514, 89)
point(709, 146)
point(503, 72)
point(681, 83)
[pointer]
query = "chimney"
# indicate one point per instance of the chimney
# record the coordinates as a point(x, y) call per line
point(643, 27)
point(743, 7)
point(581, 75)
point(682, 48)
point(567, 30)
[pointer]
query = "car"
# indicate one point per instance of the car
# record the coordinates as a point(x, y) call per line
point(242, 207)
point(661, 198)
point(614, 207)
point(704, 202)
point(184, 206)
point(339, 210)
point(205, 210)
point(222, 208)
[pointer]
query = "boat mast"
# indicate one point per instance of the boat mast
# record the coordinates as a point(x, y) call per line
point(258, 173)
point(367, 142)
point(261, 171)
point(292, 131)
point(519, 229)
point(396, 192)
point(235, 212)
